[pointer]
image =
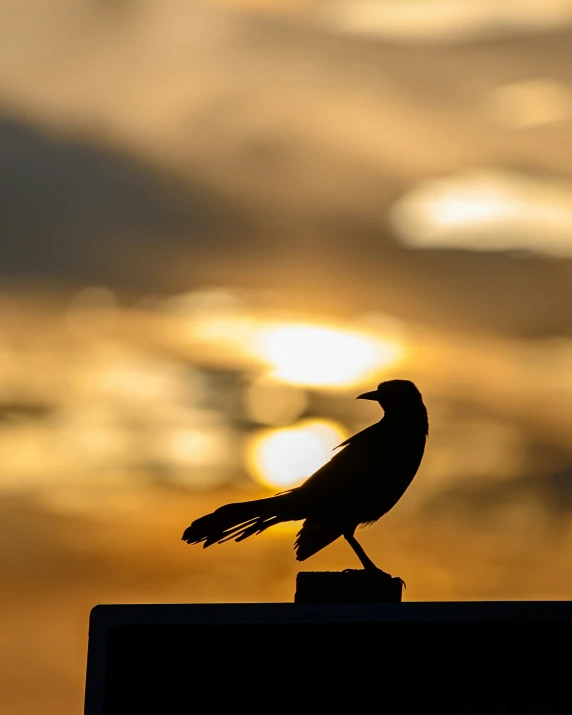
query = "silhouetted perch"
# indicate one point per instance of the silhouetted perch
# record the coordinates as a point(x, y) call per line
point(347, 587)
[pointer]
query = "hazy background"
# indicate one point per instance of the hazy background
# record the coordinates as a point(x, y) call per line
point(220, 222)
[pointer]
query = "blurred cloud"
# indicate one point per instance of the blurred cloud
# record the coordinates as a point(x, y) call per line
point(268, 401)
point(92, 309)
point(93, 207)
point(305, 353)
point(488, 210)
point(199, 452)
point(316, 355)
point(530, 103)
point(478, 448)
point(438, 20)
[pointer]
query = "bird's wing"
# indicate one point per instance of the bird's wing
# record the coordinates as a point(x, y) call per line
point(347, 470)
point(364, 435)
point(366, 478)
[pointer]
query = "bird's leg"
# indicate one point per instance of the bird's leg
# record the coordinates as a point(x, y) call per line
point(366, 562)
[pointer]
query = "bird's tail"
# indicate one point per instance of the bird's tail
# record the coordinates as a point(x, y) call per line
point(241, 520)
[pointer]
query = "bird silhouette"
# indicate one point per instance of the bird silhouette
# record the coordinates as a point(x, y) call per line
point(356, 487)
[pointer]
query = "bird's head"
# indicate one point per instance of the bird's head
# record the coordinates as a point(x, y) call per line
point(394, 394)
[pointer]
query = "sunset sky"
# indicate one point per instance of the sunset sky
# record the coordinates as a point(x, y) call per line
point(224, 220)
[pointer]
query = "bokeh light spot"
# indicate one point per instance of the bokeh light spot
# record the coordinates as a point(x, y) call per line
point(285, 457)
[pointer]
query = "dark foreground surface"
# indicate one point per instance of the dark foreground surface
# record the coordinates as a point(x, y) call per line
point(509, 657)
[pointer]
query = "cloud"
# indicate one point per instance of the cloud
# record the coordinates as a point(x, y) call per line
point(446, 19)
point(488, 210)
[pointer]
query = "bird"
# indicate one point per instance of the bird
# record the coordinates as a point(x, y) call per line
point(359, 484)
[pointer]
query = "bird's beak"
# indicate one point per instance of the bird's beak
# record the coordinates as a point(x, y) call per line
point(368, 396)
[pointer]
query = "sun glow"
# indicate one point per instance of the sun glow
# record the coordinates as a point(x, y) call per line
point(313, 355)
point(285, 457)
